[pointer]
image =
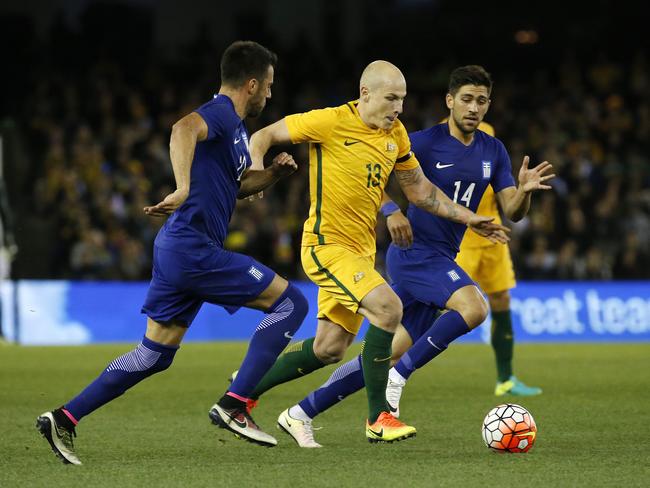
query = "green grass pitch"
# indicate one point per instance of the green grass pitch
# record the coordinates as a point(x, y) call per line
point(593, 420)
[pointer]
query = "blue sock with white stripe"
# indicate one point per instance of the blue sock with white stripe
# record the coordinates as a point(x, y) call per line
point(447, 328)
point(270, 338)
point(345, 380)
point(129, 369)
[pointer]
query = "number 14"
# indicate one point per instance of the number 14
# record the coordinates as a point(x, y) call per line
point(467, 196)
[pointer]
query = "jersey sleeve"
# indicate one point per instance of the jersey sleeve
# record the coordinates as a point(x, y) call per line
point(312, 126)
point(406, 159)
point(502, 177)
point(214, 118)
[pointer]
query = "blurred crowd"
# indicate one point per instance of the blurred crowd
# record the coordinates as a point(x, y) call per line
point(97, 146)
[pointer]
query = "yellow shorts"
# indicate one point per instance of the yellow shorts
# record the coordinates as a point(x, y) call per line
point(490, 266)
point(344, 279)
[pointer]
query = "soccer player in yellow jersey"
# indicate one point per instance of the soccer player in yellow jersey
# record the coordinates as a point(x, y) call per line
point(490, 265)
point(353, 150)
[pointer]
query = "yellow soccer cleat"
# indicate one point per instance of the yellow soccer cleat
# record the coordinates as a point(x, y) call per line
point(515, 387)
point(503, 387)
point(388, 429)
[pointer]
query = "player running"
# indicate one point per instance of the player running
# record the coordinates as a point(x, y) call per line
point(211, 161)
point(490, 265)
point(353, 150)
point(462, 162)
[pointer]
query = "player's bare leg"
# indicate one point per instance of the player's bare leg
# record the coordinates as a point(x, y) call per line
point(502, 340)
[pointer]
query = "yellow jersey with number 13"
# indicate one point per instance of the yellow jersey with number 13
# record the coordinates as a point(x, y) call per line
point(349, 166)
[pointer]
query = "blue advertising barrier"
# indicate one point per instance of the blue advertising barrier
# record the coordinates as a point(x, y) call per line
point(64, 312)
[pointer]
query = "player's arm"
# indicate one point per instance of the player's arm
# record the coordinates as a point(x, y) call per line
point(185, 134)
point(397, 224)
point(261, 142)
point(515, 202)
point(263, 139)
point(427, 196)
point(255, 180)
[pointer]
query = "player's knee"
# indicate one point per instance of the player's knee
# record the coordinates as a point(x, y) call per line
point(500, 300)
point(300, 303)
point(389, 314)
point(330, 352)
point(291, 304)
point(138, 364)
point(475, 314)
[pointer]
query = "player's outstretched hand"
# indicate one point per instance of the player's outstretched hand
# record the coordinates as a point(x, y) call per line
point(168, 205)
point(400, 229)
point(532, 179)
point(284, 164)
point(484, 226)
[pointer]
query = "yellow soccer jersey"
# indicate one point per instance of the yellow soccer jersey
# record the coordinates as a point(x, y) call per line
point(487, 206)
point(349, 165)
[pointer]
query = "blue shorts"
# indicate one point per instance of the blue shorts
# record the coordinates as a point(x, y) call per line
point(181, 282)
point(424, 281)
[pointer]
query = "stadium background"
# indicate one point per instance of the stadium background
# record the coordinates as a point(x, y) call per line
point(88, 93)
point(92, 89)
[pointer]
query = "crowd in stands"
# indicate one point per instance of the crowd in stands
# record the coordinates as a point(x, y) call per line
point(97, 144)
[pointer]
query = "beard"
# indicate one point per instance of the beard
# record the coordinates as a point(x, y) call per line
point(462, 127)
point(255, 108)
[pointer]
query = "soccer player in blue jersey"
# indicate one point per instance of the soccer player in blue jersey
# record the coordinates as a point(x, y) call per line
point(461, 161)
point(212, 168)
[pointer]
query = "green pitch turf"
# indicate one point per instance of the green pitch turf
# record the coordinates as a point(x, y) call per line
point(593, 419)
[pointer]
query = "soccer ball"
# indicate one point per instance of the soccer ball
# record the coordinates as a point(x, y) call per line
point(509, 428)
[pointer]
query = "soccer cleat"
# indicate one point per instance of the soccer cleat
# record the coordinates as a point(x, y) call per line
point(240, 422)
point(393, 395)
point(59, 437)
point(388, 429)
point(515, 387)
point(301, 430)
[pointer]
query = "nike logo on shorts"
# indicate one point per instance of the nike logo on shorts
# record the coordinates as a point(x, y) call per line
point(440, 165)
point(349, 143)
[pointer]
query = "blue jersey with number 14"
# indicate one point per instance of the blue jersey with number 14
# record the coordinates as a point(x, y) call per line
point(463, 173)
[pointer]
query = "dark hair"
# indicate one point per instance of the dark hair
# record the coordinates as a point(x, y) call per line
point(469, 75)
point(244, 60)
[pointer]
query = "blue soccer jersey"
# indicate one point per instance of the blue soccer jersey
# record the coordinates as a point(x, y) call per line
point(190, 266)
point(219, 162)
point(463, 173)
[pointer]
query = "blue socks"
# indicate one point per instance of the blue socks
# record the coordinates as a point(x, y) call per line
point(129, 369)
point(344, 381)
point(447, 328)
point(270, 338)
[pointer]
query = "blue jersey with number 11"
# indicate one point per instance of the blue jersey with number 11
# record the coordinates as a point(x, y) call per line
point(463, 173)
